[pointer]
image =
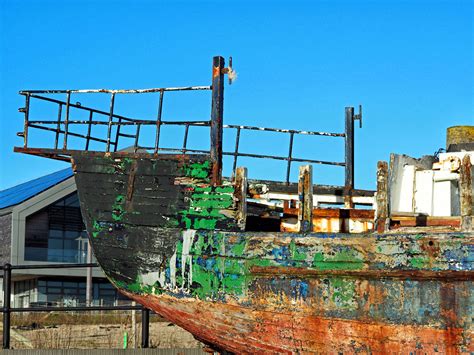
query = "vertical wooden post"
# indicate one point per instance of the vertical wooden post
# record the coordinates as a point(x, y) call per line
point(241, 195)
point(349, 158)
point(381, 216)
point(305, 195)
point(465, 193)
point(217, 114)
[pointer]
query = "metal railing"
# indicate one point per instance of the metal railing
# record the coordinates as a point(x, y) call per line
point(7, 310)
point(62, 127)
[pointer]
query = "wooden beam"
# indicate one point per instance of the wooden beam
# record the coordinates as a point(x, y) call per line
point(465, 193)
point(424, 221)
point(305, 195)
point(382, 197)
point(241, 196)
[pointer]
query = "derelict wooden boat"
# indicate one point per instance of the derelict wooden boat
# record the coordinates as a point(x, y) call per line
point(260, 267)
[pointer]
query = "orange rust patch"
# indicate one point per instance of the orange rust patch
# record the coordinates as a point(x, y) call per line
point(242, 330)
point(215, 71)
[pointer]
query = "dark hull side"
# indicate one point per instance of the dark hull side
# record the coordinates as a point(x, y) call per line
point(167, 238)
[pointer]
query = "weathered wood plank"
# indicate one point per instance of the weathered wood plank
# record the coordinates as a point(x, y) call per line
point(382, 212)
point(241, 196)
point(305, 195)
point(466, 193)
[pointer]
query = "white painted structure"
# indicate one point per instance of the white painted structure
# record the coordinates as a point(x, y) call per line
point(416, 189)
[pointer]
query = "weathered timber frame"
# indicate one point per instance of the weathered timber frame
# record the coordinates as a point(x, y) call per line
point(62, 127)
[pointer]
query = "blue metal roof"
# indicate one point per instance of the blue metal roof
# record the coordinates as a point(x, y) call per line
point(19, 193)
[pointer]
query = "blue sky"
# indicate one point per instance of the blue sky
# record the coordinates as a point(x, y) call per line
point(409, 63)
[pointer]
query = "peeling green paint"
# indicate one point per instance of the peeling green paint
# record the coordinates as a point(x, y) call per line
point(96, 229)
point(117, 208)
point(199, 170)
point(238, 249)
point(419, 262)
point(343, 260)
point(207, 281)
point(225, 189)
point(295, 254)
point(343, 292)
point(205, 207)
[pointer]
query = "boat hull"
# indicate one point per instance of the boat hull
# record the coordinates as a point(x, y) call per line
point(183, 256)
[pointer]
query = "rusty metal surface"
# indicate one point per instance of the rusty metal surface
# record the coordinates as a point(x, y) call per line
point(70, 126)
point(115, 91)
point(217, 118)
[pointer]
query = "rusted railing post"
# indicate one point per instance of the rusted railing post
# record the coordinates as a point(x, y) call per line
point(305, 194)
point(89, 129)
point(109, 125)
point(381, 198)
point(236, 150)
point(66, 119)
point(217, 114)
point(465, 193)
point(117, 133)
point(145, 327)
point(58, 126)
point(7, 275)
point(158, 123)
point(26, 111)
point(349, 157)
point(290, 156)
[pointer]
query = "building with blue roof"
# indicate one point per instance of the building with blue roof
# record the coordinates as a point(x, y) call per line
point(22, 192)
point(41, 223)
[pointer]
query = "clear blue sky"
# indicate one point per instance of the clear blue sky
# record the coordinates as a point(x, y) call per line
point(409, 63)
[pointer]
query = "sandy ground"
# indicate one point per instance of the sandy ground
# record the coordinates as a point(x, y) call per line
point(162, 335)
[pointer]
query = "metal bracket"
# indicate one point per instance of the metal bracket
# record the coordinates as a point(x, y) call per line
point(359, 116)
point(231, 74)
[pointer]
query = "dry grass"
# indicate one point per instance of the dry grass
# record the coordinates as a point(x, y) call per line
point(93, 330)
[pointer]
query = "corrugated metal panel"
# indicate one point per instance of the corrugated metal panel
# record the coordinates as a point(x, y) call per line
point(194, 351)
point(22, 192)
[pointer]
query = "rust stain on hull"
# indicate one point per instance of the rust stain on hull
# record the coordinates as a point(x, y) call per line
point(242, 330)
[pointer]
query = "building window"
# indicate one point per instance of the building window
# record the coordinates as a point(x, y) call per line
point(58, 291)
point(57, 233)
point(25, 292)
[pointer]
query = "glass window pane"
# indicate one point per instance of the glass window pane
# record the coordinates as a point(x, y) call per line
point(54, 283)
point(72, 235)
point(55, 244)
point(56, 290)
point(70, 244)
point(72, 200)
point(54, 233)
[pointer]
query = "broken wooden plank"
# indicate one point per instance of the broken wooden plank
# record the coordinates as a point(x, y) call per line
point(424, 221)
